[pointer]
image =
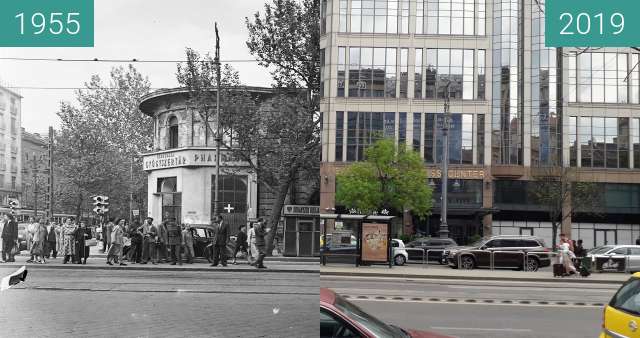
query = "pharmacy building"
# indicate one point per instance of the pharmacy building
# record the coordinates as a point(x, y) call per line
point(518, 108)
point(182, 167)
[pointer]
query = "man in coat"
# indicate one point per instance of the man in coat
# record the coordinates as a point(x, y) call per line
point(220, 236)
point(9, 237)
point(174, 237)
point(163, 241)
point(260, 233)
point(149, 237)
point(51, 241)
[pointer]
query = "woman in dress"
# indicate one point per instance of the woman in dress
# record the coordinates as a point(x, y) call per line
point(58, 230)
point(39, 240)
point(117, 242)
point(68, 240)
point(82, 251)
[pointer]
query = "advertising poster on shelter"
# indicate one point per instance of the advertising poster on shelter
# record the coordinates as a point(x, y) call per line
point(374, 242)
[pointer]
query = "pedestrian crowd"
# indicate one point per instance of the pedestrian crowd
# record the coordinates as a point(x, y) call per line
point(46, 239)
point(166, 242)
point(569, 253)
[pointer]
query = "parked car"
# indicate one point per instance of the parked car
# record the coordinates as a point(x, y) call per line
point(616, 257)
point(622, 315)
point(349, 253)
point(22, 236)
point(435, 245)
point(511, 249)
point(341, 318)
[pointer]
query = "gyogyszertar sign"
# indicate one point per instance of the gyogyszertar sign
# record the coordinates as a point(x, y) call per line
point(189, 158)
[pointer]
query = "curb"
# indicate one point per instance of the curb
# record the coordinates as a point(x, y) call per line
point(203, 269)
point(488, 278)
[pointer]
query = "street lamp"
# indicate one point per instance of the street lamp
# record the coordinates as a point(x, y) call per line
point(444, 228)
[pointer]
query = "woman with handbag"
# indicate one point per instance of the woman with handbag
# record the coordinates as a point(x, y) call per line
point(83, 234)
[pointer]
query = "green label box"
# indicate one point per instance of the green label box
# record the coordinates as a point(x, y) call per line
point(591, 23)
point(46, 23)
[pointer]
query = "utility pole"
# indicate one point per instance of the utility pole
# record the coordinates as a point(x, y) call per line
point(131, 195)
point(444, 228)
point(216, 207)
point(51, 145)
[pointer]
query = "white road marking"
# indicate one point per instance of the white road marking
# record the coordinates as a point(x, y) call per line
point(443, 328)
point(478, 302)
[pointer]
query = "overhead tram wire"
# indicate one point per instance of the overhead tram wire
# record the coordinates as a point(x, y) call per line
point(133, 60)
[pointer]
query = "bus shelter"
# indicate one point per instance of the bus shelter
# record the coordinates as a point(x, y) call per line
point(356, 239)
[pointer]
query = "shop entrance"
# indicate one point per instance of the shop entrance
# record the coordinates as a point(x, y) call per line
point(302, 236)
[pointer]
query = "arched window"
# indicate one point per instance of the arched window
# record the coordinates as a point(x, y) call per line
point(173, 132)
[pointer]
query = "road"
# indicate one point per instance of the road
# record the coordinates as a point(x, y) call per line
point(130, 303)
point(480, 309)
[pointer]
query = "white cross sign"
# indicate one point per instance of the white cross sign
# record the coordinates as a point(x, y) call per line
point(228, 208)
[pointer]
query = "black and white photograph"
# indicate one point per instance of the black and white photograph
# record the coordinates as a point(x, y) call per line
point(162, 181)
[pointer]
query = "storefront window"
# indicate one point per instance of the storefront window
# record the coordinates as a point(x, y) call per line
point(171, 198)
point(466, 193)
point(233, 194)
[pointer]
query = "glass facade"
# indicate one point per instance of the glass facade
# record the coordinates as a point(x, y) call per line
point(604, 142)
point(635, 141)
point(372, 72)
point(417, 87)
point(380, 16)
point(546, 133)
point(402, 128)
point(417, 131)
point(460, 139)
point(339, 135)
point(601, 77)
point(506, 138)
point(455, 65)
point(342, 71)
point(451, 17)
point(467, 193)
point(364, 128)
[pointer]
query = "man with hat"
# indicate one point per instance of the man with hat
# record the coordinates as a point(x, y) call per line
point(221, 234)
point(174, 240)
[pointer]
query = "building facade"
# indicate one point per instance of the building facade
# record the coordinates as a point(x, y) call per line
point(35, 156)
point(181, 173)
point(517, 108)
point(10, 145)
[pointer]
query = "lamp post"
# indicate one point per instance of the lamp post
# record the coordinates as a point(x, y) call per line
point(443, 232)
point(216, 207)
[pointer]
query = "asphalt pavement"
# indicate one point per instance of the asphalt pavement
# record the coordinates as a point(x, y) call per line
point(80, 302)
point(480, 308)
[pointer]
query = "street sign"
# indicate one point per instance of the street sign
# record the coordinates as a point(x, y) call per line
point(135, 212)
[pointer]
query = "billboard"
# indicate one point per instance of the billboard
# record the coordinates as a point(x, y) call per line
point(375, 245)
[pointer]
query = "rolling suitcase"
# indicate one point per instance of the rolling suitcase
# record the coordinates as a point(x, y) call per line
point(558, 270)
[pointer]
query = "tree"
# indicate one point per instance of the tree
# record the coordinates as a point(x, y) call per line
point(556, 187)
point(278, 139)
point(388, 178)
point(98, 141)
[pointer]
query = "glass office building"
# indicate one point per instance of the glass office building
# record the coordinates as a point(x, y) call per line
point(517, 106)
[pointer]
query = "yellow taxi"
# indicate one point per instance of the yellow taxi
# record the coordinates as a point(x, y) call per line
point(621, 317)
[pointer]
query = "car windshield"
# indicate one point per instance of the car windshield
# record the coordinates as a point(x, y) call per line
point(478, 243)
point(628, 297)
point(378, 328)
point(600, 249)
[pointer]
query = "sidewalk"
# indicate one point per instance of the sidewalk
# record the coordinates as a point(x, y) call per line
point(99, 263)
point(444, 272)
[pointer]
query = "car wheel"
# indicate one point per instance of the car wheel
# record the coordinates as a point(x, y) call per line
point(532, 264)
point(468, 263)
point(399, 260)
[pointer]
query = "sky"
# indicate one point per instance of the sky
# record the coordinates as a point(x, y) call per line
point(128, 29)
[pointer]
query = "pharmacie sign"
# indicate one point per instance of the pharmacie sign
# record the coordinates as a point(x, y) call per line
point(189, 158)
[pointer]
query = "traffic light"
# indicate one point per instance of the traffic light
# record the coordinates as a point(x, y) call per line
point(13, 204)
point(101, 204)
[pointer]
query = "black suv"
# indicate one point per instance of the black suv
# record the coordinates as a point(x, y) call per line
point(508, 252)
point(436, 247)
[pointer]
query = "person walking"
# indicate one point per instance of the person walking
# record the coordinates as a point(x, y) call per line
point(241, 244)
point(39, 240)
point(32, 228)
point(82, 250)
point(117, 242)
point(149, 237)
point(251, 241)
point(106, 232)
point(68, 240)
point(260, 233)
point(187, 243)
point(163, 241)
point(220, 237)
point(174, 240)
point(135, 251)
point(51, 244)
point(9, 238)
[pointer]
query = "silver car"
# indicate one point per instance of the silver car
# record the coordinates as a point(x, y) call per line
point(616, 258)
